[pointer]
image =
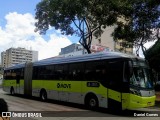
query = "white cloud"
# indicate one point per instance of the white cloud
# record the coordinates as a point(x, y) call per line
point(147, 46)
point(19, 32)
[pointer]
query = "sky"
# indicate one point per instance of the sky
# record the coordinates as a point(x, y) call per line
point(146, 45)
point(17, 30)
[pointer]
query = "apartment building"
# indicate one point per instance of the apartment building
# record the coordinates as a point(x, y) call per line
point(107, 40)
point(13, 56)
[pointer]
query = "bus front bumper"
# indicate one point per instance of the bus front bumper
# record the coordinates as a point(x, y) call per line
point(140, 102)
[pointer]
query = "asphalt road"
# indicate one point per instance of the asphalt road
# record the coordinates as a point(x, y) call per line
point(55, 110)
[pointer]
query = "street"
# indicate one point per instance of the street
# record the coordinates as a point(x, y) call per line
point(60, 110)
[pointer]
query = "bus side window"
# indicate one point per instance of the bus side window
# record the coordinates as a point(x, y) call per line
point(41, 72)
point(5, 75)
point(22, 73)
point(49, 72)
point(13, 74)
point(18, 78)
point(95, 70)
point(16, 75)
point(90, 71)
point(59, 72)
point(126, 72)
point(101, 72)
point(35, 73)
point(65, 72)
point(76, 71)
point(9, 74)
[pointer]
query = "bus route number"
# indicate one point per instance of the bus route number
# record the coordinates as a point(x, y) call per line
point(92, 84)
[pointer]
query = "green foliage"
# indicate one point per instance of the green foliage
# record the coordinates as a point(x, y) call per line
point(153, 56)
point(85, 18)
point(142, 21)
point(135, 20)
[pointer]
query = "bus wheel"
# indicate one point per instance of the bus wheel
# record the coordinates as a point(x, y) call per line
point(12, 91)
point(92, 102)
point(43, 95)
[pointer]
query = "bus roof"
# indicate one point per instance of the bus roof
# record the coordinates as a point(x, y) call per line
point(81, 58)
point(16, 66)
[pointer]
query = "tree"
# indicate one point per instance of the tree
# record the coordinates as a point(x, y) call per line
point(137, 21)
point(153, 56)
point(141, 23)
point(85, 18)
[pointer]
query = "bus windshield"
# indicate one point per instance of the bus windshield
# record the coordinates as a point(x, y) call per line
point(141, 78)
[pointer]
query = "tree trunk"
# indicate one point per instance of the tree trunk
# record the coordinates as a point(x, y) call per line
point(88, 50)
point(143, 50)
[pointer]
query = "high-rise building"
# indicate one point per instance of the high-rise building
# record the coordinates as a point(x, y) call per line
point(107, 40)
point(3, 58)
point(13, 56)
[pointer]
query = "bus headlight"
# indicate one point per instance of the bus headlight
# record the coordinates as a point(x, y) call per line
point(135, 92)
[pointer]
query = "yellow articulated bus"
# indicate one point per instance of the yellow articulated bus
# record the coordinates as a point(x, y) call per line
point(108, 79)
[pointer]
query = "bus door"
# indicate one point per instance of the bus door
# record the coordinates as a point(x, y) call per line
point(115, 84)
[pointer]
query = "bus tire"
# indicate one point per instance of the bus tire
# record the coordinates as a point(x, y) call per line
point(43, 95)
point(91, 101)
point(12, 91)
